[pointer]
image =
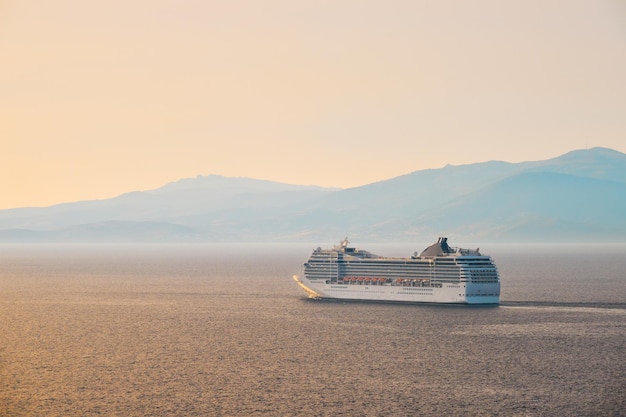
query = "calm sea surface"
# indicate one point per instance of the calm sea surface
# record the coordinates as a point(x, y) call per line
point(222, 330)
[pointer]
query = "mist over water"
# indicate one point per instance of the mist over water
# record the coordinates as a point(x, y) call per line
point(222, 330)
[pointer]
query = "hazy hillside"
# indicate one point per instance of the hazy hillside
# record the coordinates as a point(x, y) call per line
point(577, 196)
point(199, 198)
point(532, 204)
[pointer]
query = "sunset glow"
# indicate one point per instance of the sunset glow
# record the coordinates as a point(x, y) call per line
point(102, 98)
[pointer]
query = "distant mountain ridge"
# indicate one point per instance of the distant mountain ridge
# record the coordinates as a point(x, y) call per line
point(580, 195)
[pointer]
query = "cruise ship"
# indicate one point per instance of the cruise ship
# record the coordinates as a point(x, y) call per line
point(440, 274)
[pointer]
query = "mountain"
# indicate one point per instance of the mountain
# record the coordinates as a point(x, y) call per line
point(578, 196)
point(200, 198)
point(546, 205)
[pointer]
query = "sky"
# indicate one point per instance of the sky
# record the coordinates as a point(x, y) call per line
point(99, 98)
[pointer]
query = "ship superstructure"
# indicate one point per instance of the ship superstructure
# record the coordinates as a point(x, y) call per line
point(440, 274)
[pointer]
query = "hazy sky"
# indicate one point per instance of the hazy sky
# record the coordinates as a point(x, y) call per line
point(98, 98)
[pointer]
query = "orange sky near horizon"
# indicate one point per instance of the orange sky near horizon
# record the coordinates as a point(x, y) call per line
point(102, 98)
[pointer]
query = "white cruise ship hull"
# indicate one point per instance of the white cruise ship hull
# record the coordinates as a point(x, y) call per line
point(440, 274)
point(462, 293)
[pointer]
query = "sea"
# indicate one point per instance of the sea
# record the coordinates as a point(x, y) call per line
point(223, 330)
